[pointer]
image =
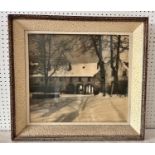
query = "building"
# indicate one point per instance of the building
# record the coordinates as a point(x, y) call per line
point(80, 79)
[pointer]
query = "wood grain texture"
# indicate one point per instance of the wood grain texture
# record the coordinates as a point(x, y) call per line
point(5, 137)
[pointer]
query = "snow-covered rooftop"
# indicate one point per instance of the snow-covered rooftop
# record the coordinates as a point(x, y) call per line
point(77, 70)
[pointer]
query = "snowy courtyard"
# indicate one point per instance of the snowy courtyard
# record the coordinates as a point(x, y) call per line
point(79, 108)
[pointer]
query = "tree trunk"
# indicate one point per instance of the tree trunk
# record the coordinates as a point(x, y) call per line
point(45, 68)
point(112, 66)
point(48, 66)
point(114, 83)
point(46, 61)
point(117, 64)
point(102, 68)
point(98, 51)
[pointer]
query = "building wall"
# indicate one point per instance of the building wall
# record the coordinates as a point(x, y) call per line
point(60, 84)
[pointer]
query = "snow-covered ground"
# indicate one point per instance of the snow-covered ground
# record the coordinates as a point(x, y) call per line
point(80, 108)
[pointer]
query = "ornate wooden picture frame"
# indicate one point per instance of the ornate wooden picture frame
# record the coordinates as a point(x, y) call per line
point(78, 78)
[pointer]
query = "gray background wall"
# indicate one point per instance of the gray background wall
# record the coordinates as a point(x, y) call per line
point(4, 61)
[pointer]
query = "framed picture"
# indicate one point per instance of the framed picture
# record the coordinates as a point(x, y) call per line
point(78, 78)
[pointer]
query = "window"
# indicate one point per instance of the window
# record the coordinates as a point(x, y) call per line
point(89, 79)
point(80, 79)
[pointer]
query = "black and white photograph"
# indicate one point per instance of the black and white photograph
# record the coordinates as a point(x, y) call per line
point(78, 77)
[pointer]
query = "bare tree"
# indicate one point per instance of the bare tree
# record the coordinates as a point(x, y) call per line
point(97, 42)
point(49, 58)
point(117, 63)
point(120, 45)
point(112, 65)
